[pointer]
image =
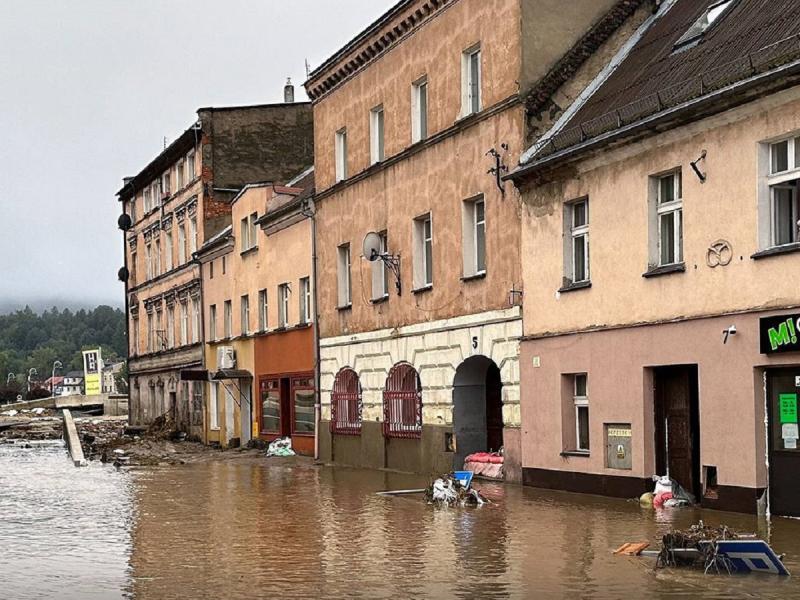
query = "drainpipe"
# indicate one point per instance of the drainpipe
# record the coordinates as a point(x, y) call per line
point(310, 210)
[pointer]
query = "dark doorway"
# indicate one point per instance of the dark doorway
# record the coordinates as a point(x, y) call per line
point(677, 425)
point(477, 408)
point(784, 456)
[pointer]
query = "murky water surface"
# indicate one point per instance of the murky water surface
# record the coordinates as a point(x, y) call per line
point(265, 529)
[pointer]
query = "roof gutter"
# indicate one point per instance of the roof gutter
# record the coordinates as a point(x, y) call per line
point(696, 109)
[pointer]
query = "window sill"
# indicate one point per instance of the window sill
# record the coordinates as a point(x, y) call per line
point(381, 300)
point(344, 307)
point(665, 270)
point(777, 251)
point(577, 453)
point(475, 277)
point(423, 289)
point(249, 251)
point(574, 287)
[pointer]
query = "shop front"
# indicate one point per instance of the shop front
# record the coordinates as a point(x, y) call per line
point(284, 362)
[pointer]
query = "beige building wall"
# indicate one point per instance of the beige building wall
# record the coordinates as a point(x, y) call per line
point(725, 207)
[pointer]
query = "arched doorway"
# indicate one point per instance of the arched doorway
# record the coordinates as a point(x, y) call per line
point(477, 408)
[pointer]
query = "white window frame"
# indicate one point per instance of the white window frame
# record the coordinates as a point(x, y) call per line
point(192, 169)
point(674, 208)
point(148, 203)
point(340, 154)
point(168, 259)
point(196, 324)
point(213, 407)
point(158, 256)
point(377, 122)
point(305, 300)
point(580, 401)
point(263, 309)
point(171, 326)
point(380, 272)
point(244, 314)
point(577, 232)
point(212, 322)
point(151, 332)
point(472, 224)
point(184, 340)
point(345, 291)
point(423, 252)
point(135, 341)
point(148, 260)
point(471, 93)
point(283, 305)
point(244, 234)
point(227, 319)
point(182, 244)
point(787, 179)
point(419, 109)
point(192, 235)
point(166, 185)
point(160, 329)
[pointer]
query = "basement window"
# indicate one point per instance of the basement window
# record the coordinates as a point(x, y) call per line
point(712, 14)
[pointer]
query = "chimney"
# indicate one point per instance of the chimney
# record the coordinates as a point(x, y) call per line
point(288, 91)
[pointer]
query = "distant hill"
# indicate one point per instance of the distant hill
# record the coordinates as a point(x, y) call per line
point(38, 305)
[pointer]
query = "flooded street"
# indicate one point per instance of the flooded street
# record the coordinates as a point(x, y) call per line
point(251, 528)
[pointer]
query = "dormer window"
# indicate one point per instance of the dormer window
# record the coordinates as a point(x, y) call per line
point(711, 15)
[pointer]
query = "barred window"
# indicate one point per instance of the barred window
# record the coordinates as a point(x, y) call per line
point(346, 403)
point(402, 403)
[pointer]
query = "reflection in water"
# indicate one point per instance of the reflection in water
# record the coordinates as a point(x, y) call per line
point(262, 528)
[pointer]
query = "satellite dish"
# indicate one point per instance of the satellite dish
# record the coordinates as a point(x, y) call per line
point(372, 246)
point(124, 222)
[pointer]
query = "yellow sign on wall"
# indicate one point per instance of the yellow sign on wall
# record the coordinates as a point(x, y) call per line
point(92, 372)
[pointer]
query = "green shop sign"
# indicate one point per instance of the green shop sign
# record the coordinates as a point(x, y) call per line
point(780, 334)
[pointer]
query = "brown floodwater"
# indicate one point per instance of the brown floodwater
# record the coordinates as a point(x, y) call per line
point(272, 528)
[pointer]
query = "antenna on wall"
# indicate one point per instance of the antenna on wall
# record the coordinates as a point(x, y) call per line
point(308, 69)
point(372, 250)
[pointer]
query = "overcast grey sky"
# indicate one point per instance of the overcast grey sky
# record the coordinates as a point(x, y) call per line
point(90, 88)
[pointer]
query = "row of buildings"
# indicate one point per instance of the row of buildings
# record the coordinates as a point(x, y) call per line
point(564, 230)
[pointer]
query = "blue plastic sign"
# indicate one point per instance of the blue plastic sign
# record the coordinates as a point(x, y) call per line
point(751, 556)
point(464, 478)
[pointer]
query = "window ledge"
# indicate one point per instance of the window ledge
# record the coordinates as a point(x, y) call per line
point(423, 289)
point(582, 453)
point(474, 277)
point(665, 270)
point(574, 287)
point(344, 307)
point(777, 251)
point(381, 300)
point(251, 250)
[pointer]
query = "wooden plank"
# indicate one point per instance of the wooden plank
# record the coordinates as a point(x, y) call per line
point(632, 548)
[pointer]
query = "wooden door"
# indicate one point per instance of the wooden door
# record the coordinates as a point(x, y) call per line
point(677, 435)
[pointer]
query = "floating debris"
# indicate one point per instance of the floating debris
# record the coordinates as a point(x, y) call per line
point(448, 490)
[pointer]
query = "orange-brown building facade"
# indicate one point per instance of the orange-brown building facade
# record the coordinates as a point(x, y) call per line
point(416, 121)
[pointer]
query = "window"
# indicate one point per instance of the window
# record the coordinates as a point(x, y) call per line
point(248, 230)
point(196, 320)
point(135, 333)
point(192, 236)
point(419, 110)
point(148, 260)
point(168, 263)
point(190, 167)
point(402, 403)
point(184, 323)
point(710, 16)
point(213, 409)
point(580, 398)
point(182, 244)
point(669, 219)
point(155, 188)
point(341, 155)
point(303, 398)
point(165, 185)
point(132, 209)
point(783, 182)
point(262, 310)
point(211, 269)
point(148, 203)
point(576, 238)
point(471, 81)
point(345, 297)
point(245, 314)
point(380, 275)
point(157, 270)
point(305, 300)
point(474, 237)
point(133, 268)
point(151, 332)
point(270, 406)
point(376, 134)
point(346, 403)
point(283, 305)
point(161, 343)
point(179, 175)
point(223, 265)
point(423, 252)
point(228, 316)
point(212, 322)
point(171, 327)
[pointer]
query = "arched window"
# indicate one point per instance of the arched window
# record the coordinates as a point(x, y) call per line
point(346, 403)
point(402, 403)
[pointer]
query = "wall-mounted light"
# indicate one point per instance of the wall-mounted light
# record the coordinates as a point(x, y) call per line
point(726, 333)
point(700, 175)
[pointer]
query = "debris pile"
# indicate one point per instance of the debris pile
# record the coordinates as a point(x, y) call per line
point(696, 545)
point(280, 447)
point(449, 491)
point(25, 427)
point(668, 493)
